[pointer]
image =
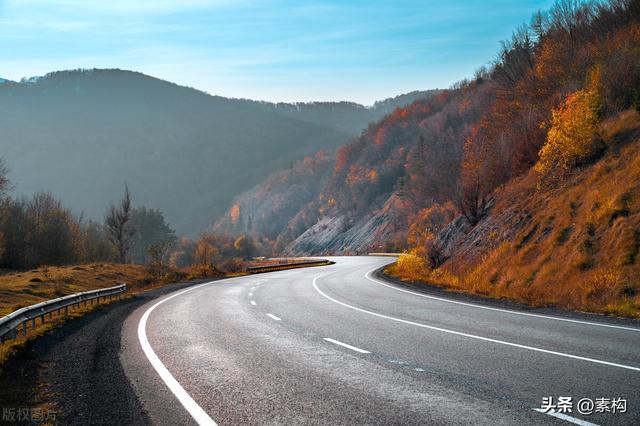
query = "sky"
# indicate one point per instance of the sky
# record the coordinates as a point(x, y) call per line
point(273, 50)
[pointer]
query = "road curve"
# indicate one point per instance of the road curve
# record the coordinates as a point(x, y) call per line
point(336, 345)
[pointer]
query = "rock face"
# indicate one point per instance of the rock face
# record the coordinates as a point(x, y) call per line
point(334, 234)
point(459, 242)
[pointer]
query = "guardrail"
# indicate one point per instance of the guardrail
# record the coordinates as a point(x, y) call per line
point(10, 324)
point(280, 267)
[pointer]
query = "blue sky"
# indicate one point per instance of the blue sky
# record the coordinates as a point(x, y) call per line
point(266, 49)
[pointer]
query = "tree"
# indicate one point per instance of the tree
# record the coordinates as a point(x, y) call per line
point(572, 137)
point(38, 231)
point(159, 257)
point(4, 188)
point(5, 183)
point(151, 228)
point(96, 246)
point(245, 246)
point(118, 225)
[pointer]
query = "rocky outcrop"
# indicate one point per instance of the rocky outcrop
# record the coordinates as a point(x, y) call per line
point(334, 234)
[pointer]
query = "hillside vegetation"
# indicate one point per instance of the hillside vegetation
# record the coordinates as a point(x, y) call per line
point(575, 246)
point(81, 134)
point(520, 182)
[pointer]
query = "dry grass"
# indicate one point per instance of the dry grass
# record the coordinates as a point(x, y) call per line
point(579, 247)
point(19, 289)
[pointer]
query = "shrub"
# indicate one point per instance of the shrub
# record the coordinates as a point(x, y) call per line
point(411, 266)
point(572, 139)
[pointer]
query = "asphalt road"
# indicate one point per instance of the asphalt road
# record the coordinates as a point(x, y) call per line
point(335, 345)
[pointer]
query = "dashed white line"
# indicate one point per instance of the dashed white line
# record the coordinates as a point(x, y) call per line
point(198, 414)
point(353, 348)
point(565, 417)
point(273, 317)
point(250, 294)
point(253, 303)
point(253, 288)
point(473, 336)
point(508, 311)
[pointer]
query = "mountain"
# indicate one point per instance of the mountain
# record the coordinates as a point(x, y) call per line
point(520, 183)
point(82, 134)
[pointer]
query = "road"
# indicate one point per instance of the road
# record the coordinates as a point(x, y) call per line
point(336, 345)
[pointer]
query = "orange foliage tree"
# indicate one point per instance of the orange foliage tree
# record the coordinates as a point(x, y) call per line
point(572, 138)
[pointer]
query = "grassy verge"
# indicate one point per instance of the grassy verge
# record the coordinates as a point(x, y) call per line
point(413, 269)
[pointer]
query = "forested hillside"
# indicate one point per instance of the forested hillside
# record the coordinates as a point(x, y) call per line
point(531, 160)
point(82, 134)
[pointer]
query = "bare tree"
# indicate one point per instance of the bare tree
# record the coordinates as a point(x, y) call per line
point(119, 227)
point(158, 264)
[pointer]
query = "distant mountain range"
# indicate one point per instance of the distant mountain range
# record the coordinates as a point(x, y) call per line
point(82, 134)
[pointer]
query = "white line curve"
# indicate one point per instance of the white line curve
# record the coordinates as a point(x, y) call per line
point(471, 336)
point(198, 414)
point(509, 311)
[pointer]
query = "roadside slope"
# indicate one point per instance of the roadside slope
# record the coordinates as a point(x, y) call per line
point(574, 246)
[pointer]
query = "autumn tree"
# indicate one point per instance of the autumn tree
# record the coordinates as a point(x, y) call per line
point(245, 246)
point(572, 138)
point(117, 222)
point(158, 263)
point(423, 232)
point(477, 178)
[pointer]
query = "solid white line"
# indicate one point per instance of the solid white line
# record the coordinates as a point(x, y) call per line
point(565, 417)
point(253, 303)
point(353, 348)
point(198, 414)
point(274, 317)
point(474, 305)
point(473, 336)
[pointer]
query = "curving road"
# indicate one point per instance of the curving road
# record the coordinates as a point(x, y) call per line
point(338, 345)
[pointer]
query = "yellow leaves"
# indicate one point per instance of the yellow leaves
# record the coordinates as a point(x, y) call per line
point(571, 138)
point(411, 266)
point(234, 213)
point(372, 175)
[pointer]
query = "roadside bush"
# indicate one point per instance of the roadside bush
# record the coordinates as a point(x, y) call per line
point(573, 137)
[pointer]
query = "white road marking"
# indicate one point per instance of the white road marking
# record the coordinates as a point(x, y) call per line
point(253, 288)
point(253, 303)
point(250, 294)
point(474, 305)
point(274, 317)
point(565, 417)
point(473, 336)
point(198, 414)
point(353, 348)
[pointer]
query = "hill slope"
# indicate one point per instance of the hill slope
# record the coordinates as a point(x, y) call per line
point(521, 183)
point(82, 134)
point(576, 246)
